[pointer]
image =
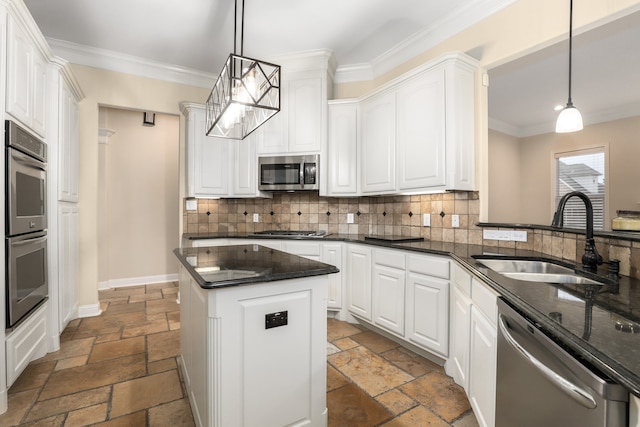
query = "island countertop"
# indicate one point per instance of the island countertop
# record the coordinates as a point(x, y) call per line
point(223, 266)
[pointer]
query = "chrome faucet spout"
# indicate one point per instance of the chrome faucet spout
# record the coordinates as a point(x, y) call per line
point(591, 258)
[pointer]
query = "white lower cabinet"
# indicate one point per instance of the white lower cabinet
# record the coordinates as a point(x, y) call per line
point(482, 367)
point(474, 343)
point(405, 294)
point(388, 287)
point(26, 342)
point(359, 281)
point(332, 254)
point(427, 313)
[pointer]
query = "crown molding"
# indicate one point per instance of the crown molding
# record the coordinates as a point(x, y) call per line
point(422, 41)
point(113, 61)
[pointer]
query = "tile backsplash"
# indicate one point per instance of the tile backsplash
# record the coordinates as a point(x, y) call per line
point(393, 215)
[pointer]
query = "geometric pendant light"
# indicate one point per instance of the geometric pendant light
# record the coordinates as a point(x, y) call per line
point(570, 119)
point(245, 95)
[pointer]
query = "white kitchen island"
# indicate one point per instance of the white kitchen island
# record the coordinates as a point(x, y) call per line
point(253, 336)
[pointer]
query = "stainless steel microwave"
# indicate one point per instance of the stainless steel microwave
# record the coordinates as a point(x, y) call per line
point(289, 173)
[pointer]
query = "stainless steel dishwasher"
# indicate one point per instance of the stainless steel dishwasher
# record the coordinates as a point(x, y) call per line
point(541, 384)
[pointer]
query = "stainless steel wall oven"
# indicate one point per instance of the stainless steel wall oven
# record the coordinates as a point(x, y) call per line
point(26, 222)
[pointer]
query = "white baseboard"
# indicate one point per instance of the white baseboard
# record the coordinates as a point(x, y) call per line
point(136, 281)
point(89, 310)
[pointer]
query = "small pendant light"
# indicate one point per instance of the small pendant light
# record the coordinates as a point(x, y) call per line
point(570, 119)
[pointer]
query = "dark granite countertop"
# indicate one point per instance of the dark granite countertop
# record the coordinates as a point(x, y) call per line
point(595, 321)
point(224, 266)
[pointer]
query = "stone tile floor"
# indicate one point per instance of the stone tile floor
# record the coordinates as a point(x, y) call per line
point(119, 369)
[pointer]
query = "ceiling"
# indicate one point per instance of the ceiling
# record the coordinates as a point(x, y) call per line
point(605, 81)
point(198, 34)
point(365, 35)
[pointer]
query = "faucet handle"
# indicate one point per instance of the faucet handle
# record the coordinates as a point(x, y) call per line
point(614, 267)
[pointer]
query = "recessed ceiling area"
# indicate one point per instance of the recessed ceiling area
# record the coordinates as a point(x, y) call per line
point(605, 82)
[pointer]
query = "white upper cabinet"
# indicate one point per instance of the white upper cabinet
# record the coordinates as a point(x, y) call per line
point(417, 132)
point(420, 131)
point(218, 167)
point(339, 168)
point(68, 157)
point(378, 144)
point(301, 124)
point(26, 81)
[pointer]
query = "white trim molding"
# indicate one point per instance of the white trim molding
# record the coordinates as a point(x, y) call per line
point(89, 310)
point(137, 281)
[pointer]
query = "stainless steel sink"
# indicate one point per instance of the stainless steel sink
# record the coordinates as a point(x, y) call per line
point(536, 271)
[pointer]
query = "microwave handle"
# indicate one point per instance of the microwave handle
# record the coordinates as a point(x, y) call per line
point(302, 173)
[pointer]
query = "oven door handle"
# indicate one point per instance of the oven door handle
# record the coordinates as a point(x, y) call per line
point(576, 393)
point(25, 159)
point(29, 241)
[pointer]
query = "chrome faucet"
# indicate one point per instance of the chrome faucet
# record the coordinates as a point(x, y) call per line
point(591, 258)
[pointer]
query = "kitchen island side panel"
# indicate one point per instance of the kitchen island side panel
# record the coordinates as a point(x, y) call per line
point(258, 376)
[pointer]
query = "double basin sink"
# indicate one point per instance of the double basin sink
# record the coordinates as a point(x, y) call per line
point(535, 271)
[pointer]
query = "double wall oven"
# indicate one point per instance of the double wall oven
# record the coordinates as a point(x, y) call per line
point(25, 222)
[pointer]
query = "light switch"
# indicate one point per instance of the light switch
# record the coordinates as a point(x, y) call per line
point(426, 220)
point(349, 218)
point(455, 221)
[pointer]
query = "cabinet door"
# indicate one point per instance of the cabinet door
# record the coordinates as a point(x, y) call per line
point(427, 312)
point(341, 164)
point(306, 111)
point(309, 250)
point(39, 93)
point(19, 72)
point(460, 337)
point(388, 298)
point(359, 281)
point(482, 368)
point(272, 136)
point(68, 146)
point(208, 159)
point(332, 254)
point(378, 144)
point(244, 166)
point(68, 263)
point(421, 131)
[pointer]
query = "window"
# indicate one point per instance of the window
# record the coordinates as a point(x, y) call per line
point(583, 171)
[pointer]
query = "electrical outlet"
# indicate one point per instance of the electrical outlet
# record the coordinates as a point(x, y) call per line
point(256, 217)
point(426, 220)
point(192, 205)
point(349, 218)
point(455, 221)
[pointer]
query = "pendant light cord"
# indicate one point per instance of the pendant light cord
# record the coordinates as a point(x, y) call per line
point(235, 28)
point(569, 103)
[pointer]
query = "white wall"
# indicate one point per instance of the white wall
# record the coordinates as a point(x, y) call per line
point(140, 204)
point(534, 203)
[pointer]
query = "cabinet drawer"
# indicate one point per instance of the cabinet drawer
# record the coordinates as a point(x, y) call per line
point(430, 266)
point(485, 299)
point(307, 249)
point(462, 278)
point(393, 258)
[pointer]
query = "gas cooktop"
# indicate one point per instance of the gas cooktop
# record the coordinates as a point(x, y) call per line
point(289, 233)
